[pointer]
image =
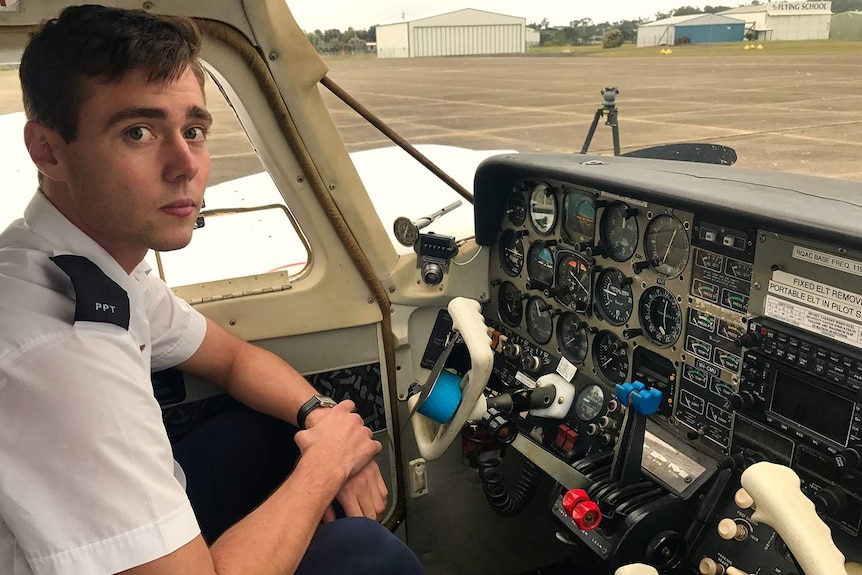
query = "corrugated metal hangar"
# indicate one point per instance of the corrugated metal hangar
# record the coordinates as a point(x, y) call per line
point(698, 28)
point(459, 33)
point(786, 20)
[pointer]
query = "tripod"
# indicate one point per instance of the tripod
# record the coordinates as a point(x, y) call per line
point(609, 109)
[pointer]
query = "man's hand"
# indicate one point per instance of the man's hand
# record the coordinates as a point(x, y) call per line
point(363, 495)
point(342, 438)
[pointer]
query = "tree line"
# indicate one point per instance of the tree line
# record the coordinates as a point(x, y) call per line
point(581, 31)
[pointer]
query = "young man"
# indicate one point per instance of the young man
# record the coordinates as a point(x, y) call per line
point(117, 128)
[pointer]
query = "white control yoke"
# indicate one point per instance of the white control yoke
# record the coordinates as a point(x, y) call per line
point(780, 504)
point(431, 438)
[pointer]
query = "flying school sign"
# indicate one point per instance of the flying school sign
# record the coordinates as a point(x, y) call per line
point(793, 8)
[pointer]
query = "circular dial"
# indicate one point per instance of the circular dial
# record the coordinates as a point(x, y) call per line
point(543, 209)
point(666, 245)
point(540, 322)
point(511, 253)
point(619, 232)
point(579, 217)
point(509, 304)
point(572, 337)
point(406, 232)
point(589, 403)
point(611, 357)
point(614, 296)
point(540, 265)
point(660, 316)
point(517, 208)
point(573, 282)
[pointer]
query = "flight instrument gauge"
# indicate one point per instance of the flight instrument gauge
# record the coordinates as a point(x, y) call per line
point(572, 337)
point(610, 357)
point(614, 297)
point(619, 231)
point(509, 303)
point(660, 316)
point(540, 265)
point(666, 245)
point(511, 253)
point(573, 284)
point(590, 403)
point(540, 321)
point(543, 209)
point(517, 208)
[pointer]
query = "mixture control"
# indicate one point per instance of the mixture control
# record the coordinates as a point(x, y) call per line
point(584, 513)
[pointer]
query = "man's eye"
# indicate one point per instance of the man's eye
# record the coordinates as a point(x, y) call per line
point(196, 133)
point(138, 133)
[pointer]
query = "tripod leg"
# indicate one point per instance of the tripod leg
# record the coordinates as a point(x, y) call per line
point(615, 130)
point(592, 131)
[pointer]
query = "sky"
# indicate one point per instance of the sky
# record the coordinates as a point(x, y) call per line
point(325, 14)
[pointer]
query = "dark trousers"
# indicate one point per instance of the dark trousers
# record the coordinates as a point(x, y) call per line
point(237, 459)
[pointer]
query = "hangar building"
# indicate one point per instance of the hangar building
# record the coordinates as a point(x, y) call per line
point(459, 33)
point(698, 28)
point(797, 20)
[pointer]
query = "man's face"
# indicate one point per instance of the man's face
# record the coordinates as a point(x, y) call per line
point(136, 174)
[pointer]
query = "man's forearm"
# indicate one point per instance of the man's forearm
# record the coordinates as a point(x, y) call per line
point(252, 375)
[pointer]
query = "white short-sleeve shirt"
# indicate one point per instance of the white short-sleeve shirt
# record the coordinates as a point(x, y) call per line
point(87, 482)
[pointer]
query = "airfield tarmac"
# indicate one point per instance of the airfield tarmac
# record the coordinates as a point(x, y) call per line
point(795, 113)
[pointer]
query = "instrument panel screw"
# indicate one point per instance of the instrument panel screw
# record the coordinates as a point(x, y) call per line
point(300, 179)
point(756, 285)
point(483, 295)
point(273, 55)
point(332, 187)
point(370, 300)
point(232, 322)
point(391, 289)
point(762, 238)
point(148, 5)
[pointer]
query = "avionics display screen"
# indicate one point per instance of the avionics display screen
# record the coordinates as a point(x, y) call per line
point(812, 407)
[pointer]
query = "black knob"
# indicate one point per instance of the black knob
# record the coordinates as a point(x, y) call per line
point(596, 250)
point(850, 458)
point(627, 281)
point(601, 204)
point(741, 400)
point(595, 268)
point(521, 233)
point(829, 502)
point(632, 332)
point(556, 312)
point(607, 439)
point(638, 267)
point(549, 243)
point(512, 350)
point(749, 339)
point(531, 363)
point(554, 291)
point(592, 330)
point(695, 434)
point(631, 212)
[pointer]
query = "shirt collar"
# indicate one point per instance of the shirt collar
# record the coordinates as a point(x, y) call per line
point(45, 220)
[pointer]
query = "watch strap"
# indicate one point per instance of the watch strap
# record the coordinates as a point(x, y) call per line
point(313, 403)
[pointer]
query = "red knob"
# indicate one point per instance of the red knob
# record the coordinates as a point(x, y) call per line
point(572, 498)
point(587, 515)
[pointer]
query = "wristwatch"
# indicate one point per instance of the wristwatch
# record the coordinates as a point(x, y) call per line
point(310, 405)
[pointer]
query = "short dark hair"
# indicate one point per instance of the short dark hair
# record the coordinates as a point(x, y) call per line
point(96, 42)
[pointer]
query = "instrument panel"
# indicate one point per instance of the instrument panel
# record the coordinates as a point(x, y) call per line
point(590, 277)
point(733, 293)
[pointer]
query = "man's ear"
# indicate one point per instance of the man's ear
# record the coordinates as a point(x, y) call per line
point(46, 148)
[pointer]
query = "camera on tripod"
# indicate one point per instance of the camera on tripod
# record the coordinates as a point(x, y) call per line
point(610, 97)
